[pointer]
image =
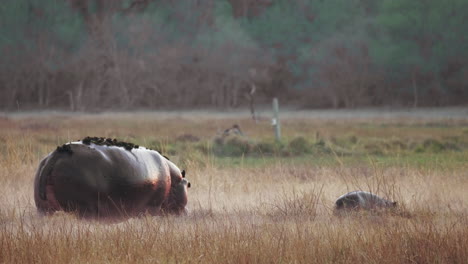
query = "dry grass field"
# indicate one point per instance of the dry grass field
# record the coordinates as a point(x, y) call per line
point(268, 203)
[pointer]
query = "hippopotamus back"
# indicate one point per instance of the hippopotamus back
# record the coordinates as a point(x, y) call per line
point(362, 200)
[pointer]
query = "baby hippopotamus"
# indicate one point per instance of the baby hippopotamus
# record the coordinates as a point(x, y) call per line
point(362, 200)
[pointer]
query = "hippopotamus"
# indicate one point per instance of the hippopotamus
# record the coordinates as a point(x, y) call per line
point(362, 200)
point(99, 177)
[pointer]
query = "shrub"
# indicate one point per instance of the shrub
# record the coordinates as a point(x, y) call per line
point(320, 148)
point(267, 148)
point(435, 146)
point(234, 146)
point(299, 145)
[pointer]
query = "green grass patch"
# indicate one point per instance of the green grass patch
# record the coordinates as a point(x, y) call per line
point(429, 161)
point(449, 151)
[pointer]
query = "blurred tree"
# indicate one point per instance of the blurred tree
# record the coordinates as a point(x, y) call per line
point(282, 30)
point(35, 37)
point(419, 38)
point(25, 20)
point(337, 69)
point(249, 8)
point(85, 54)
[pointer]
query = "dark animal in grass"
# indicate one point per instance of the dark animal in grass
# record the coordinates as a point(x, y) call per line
point(234, 130)
point(104, 178)
point(362, 200)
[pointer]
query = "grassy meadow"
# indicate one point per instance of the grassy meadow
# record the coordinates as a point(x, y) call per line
point(253, 200)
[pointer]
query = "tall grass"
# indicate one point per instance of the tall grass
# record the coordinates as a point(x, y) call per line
point(279, 211)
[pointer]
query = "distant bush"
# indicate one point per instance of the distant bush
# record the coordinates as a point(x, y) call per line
point(232, 146)
point(237, 146)
point(320, 147)
point(267, 148)
point(435, 146)
point(353, 139)
point(299, 145)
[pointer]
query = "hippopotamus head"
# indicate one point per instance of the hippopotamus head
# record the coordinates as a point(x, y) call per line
point(177, 199)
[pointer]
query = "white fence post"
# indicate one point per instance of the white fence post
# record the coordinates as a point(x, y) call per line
point(275, 122)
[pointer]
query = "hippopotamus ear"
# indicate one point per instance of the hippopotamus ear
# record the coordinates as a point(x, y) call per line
point(183, 173)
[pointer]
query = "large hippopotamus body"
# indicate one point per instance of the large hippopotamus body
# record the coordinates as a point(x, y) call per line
point(99, 177)
point(362, 200)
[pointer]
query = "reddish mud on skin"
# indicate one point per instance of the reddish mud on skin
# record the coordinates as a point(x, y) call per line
point(109, 180)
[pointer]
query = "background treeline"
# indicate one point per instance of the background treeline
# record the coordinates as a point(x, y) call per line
point(146, 54)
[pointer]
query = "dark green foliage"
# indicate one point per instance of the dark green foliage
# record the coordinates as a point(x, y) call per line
point(299, 145)
point(433, 145)
point(353, 139)
point(421, 42)
point(340, 53)
point(436, 146)
point(268, 148)
point(27, 24)
point(320, 147)
point(234, 146)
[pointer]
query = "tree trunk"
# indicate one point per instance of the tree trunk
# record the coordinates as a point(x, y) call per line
point(335, 101)
point(415, 90)
point(71, 101)
point(251, 97)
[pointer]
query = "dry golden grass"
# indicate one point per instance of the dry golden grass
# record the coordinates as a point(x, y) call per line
point(278, 211)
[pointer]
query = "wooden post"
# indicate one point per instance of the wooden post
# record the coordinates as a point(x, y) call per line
point(275, 122)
